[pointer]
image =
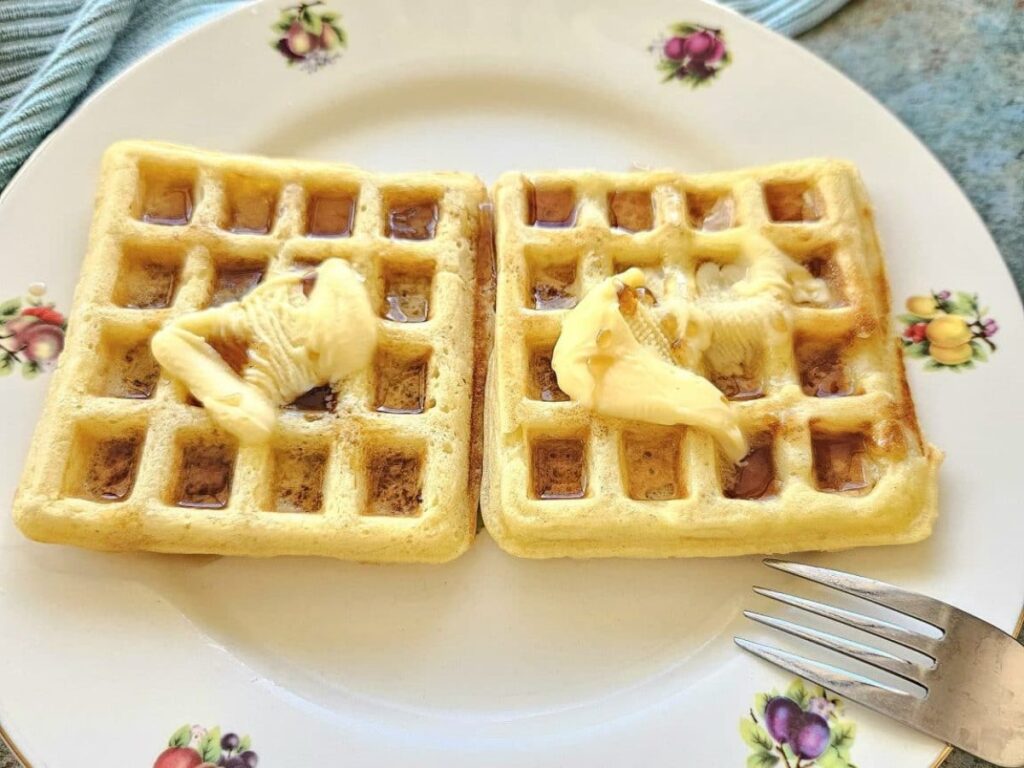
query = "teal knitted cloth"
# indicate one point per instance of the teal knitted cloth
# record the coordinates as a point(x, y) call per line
point(54, 52)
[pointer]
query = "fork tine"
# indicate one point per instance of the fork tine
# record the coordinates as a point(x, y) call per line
point(877, 627)
point(873, 656)
point(926, 609)
point(874, 695)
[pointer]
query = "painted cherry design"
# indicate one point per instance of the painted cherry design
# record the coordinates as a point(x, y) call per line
point(178, 757)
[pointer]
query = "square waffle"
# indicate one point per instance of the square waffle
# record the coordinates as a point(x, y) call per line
point(836, 455)
point(375, 469)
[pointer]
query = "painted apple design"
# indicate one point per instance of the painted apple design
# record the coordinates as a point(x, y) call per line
point(34, 338)
point(197, 747)
point(310, 35)
point(43, 343)
point(178, 757)
point(31, 333)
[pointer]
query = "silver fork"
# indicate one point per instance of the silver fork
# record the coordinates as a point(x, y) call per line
point(974, 683)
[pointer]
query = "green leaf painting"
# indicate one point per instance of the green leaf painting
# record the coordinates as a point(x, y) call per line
point(181, 737)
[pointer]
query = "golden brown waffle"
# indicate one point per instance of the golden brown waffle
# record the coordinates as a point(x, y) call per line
point(816, 381)
point(376, 469)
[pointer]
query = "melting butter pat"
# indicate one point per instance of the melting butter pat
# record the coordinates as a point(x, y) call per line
point(297, 342)
point(612, 358)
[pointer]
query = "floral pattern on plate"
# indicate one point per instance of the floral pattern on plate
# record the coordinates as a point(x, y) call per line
point(949, 330)
point(31, 333)
point(691, 53)
point(193, 746)
point(801, 728)
point(309, 35)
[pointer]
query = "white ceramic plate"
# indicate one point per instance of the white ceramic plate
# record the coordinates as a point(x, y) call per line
point(488, 660)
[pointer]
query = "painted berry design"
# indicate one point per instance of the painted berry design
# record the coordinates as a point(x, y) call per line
point(948, 330)
point(193, 746)
point(31, 333)
point(691, 53)
point(309, 35)
point(801, 728)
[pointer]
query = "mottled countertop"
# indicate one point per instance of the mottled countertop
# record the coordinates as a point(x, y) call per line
point(954, 73)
